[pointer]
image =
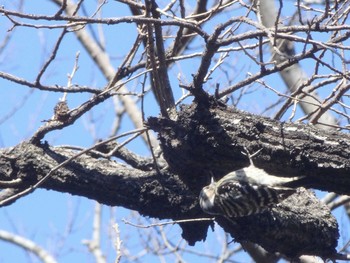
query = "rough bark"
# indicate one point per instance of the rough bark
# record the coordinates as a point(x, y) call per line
point(202, 142)
point(205, 141)
point(108, 182)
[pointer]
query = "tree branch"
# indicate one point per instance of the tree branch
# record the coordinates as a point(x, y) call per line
point(216, 135)
point(28, 245)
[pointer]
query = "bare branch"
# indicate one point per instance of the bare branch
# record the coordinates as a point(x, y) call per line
point(28, 245)
point(94, 245)
point(102, 60)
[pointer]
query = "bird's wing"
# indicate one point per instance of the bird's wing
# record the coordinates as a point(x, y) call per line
point(237, 199)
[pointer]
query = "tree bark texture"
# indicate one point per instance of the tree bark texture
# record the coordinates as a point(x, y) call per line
point(203, 142)
point(210, 141)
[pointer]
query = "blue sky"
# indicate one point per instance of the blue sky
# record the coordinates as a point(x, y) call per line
point(58, 221)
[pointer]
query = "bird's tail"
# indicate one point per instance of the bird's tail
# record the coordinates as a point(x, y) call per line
point(300, 181)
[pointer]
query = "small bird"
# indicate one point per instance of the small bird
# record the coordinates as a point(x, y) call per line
point(246, 191)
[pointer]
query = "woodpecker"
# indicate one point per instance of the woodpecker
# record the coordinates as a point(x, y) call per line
point(246, 191)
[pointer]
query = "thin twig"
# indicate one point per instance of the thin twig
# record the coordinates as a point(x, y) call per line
point(169, 223)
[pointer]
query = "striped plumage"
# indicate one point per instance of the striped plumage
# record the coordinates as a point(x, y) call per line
point(246, 191)
point(232, 198)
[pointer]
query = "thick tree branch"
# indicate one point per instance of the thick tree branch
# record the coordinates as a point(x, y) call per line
point(216, 135)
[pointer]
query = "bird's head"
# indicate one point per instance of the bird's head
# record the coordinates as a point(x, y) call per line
point(206, 198)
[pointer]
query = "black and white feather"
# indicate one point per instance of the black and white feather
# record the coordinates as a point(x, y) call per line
point(245, 192)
